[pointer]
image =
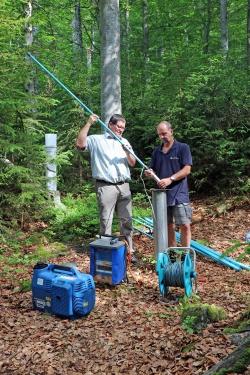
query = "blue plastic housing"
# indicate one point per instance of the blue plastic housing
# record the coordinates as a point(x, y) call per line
point(62, 290)
point(108, 261)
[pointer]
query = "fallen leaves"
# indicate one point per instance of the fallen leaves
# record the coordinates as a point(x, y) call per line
point(131, 330)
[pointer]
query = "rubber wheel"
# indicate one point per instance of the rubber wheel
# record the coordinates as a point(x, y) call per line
point(187, 270)
point(162, 262)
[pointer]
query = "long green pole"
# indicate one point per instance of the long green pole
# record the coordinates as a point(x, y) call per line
point(88, 110)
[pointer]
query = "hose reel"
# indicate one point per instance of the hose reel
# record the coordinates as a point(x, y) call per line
point(176, 267)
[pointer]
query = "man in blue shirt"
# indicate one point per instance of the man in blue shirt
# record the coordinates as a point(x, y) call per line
point(172, 162)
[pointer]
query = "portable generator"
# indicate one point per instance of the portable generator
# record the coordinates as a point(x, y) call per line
point(62, 290)
point(108, 260)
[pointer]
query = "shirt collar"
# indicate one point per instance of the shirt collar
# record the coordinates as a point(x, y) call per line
point(172, 147)
point(107, 135)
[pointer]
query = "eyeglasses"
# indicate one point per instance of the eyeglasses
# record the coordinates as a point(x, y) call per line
point(120, 127)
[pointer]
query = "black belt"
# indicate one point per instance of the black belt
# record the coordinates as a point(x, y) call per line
point(111, 183)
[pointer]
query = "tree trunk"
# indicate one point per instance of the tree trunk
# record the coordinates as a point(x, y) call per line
point(145, 44)
point(31, 84)
point(224, 26)
point(248, 34)
point(232, 358)
point(128, 76)
point(77, 33)
point(110, 59)
point(90, 50)
point(207, 25)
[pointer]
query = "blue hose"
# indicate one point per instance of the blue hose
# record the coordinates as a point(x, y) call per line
point(203, 250)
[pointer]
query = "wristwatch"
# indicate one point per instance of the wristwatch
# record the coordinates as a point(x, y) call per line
point(172, 178)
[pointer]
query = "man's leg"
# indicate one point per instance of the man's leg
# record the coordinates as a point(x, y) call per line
point(171, 228)
point(183, 217)
point(185, 235)
point(124, 213)
point(106, 198)
point(171, 235)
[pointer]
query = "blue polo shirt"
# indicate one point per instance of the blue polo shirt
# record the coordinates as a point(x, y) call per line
point(167, 164)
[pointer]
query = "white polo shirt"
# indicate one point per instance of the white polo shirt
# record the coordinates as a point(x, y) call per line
point(108, 159)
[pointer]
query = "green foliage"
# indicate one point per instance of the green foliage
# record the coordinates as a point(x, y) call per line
point(41, 253)
point(25, 285)
point(151, 314)
point(196, 316)
point(210, 116)
point(241, 325)
point(141, 205)
point(149, 260)
point(175, 74)
point(188, 324)
point(242, 364)
point(239, 366)
point(236, 246)
point(78, 220)
point(203, 242)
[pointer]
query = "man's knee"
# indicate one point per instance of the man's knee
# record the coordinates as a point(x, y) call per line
point(126, 223)
point(185, 227)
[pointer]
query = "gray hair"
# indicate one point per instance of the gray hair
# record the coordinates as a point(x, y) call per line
point(165, 123)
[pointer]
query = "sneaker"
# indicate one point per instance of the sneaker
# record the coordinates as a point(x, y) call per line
point(134, 260)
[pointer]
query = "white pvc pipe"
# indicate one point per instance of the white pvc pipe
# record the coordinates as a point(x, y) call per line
point(51, 147)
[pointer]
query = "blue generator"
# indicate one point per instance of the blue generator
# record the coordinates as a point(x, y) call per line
point(108, 260)
point(62, 290)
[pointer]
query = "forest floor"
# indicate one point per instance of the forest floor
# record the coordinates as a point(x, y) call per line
point(131, 330)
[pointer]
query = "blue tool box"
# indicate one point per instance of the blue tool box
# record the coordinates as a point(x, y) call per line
point(108, 260)
point(62, 290)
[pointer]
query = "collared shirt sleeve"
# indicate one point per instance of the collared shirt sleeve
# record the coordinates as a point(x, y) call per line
point(186, 157)
point(89, 144)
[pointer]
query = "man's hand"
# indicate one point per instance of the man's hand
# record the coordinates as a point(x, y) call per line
point(126, 147)
point(92, 119)
point(149, 172)
point(165, 182)
point(131, 159)
point(81, 141)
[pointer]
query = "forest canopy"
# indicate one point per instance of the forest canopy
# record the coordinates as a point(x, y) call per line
point(183, 61)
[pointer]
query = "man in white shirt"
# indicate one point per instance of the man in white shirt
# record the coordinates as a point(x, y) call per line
point(110, 164)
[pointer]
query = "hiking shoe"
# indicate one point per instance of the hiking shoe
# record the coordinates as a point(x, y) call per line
point(134, 260)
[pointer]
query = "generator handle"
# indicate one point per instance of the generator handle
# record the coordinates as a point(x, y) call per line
point(64, 269)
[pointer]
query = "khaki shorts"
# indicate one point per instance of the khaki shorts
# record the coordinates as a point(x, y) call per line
point(180, 214)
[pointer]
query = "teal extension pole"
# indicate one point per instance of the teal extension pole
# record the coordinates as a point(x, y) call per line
point(88, 110)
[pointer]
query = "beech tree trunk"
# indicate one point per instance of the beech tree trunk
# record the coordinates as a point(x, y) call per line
point(248, 34)
point(77, 33)
point(207, 25)
point(31, 84)
point(110, 59)
point(145, 44)
point(224, 26)
point(128, 43)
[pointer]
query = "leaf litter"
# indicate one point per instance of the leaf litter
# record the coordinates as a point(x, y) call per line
point(131, 329)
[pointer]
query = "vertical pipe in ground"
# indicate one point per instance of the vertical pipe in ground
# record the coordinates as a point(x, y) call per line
point(159, 201)
point(50, 145)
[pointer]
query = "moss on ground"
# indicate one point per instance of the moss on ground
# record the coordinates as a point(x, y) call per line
point(196, 316)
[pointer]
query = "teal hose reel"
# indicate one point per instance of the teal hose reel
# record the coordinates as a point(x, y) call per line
point(177, 272)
